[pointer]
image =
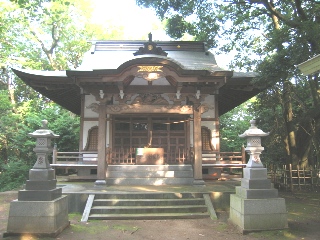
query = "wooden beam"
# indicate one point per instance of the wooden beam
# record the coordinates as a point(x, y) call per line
point(197, 168)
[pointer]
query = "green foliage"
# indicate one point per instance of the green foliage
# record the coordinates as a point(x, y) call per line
point(13, 175)
point(195, 18)
point(5, 105)
point(177, 26)
point(269, 115)
point(66, 125)
point(16, 147)
point(41, 35)
point(232, 124)
point(14, 128)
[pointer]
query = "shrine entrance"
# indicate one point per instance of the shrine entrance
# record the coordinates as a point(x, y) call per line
point(166, 135)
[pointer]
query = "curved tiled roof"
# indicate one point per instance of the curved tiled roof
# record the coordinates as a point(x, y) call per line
point(112, 57)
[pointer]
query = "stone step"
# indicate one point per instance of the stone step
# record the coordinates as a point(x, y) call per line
point(148, 209)
point(166, 205)
point(148, 216)
point(150, 168)
point(149, 181)
point(148, 195)
point(149, 174)
point(148, 202)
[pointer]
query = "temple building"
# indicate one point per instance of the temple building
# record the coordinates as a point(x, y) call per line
point(152, 103)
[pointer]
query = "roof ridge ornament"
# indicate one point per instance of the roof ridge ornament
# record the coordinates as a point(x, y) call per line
point(150, 47)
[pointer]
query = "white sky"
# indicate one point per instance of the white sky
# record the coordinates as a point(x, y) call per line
point(137, 22)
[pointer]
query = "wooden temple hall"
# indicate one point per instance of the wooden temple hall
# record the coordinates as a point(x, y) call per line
point(149, 111)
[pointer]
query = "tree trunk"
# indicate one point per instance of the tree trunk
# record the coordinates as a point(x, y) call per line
point(314, 90)
point(10, 88)
point(290, 127)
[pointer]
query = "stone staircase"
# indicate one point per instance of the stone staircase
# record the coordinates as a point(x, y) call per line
point(120, 206)
point(149, 175)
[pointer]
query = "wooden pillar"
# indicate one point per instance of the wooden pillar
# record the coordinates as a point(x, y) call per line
point(197, 166)
point(101, 172)
point(81, 147)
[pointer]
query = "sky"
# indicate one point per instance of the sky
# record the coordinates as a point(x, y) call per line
point(137, 22)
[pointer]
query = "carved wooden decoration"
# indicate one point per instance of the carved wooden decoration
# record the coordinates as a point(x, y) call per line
point(150, 99)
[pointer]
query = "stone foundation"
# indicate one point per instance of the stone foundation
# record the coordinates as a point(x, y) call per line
point(256, 205)
point(39, 218)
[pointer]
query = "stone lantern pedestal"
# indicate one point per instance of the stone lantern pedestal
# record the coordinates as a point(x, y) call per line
point(40, 209)
point(256, 205)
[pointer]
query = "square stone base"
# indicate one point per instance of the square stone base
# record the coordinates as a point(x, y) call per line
point(256, 193)
point(39, 218)
point(258, 214)
point(39, 195)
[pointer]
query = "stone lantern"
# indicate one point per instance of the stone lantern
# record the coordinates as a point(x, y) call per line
point(256, 205)
point(42, 173)
point(254, 148)
point(40, 209)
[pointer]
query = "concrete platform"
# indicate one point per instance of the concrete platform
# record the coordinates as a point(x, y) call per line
point(78, 192)
point(89, 187)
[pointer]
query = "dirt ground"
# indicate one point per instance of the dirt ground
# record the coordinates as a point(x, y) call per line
point(303, 218)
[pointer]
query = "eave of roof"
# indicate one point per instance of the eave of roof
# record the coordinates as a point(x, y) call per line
point(310, 66)
point(54, 85)
point(64, 92)
point(113, 57)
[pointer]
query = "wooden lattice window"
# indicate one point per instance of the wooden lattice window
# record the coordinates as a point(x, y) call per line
point(206, 139)
point(92, 141)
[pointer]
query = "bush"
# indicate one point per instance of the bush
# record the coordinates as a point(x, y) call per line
point(13, 175)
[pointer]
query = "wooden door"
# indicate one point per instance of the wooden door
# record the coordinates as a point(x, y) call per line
point(167, 132)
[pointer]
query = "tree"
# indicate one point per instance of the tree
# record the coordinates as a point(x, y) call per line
point(232, 124)
point(270, 37)
point(38, 35)
point(50, 26)
point(16, 147)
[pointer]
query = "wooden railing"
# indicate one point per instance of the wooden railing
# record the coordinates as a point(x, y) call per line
point(224, 159)
point(73, 160)
point(128, 156)
point(123, 156)
point(74, 157)
point(179, 156)
point(119, 156)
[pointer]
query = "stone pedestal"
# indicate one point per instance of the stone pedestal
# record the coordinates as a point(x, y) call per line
point(39, 218)
point(256, 205)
